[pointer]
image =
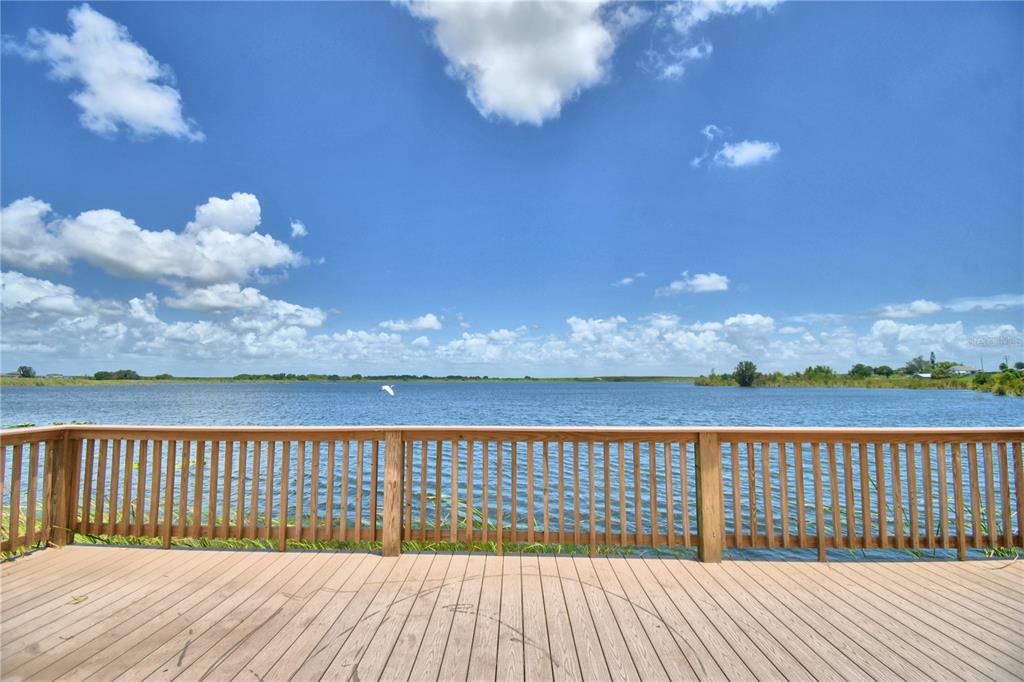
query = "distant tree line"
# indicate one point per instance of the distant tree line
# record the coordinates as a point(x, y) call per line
point(916, 373)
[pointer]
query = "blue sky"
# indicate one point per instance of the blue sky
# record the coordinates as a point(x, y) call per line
point(508, 189)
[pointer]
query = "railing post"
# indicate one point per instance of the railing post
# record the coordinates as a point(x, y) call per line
point(709, 498)
point(60, 492)
point(393, 467)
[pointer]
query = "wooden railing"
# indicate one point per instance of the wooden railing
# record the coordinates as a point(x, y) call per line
point(708, 488)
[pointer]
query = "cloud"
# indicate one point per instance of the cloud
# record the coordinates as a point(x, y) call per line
point(463, 322)
point(428, 321)
point(238, 215)
point(913, 309)
point(745, 153)
point(695, 284)
point(27, 240)
point(46, 323)
point(218, 246)
point(522, 61)
point(996, 302)
point(626, 281)
point(680, 19)
point(299, 229)
point(122, 86)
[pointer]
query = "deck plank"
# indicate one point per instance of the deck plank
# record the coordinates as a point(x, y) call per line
point(411, 637)
point(483, 663)
point(601, 656)
point(219, 615)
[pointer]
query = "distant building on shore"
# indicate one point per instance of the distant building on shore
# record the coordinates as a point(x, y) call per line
point(962, 370)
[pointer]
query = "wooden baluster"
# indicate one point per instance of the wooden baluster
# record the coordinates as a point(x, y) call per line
point(1004, 478)
point(670, 511)
point(76, 453)
point(833, 482)
point(514, 490)
point(254, 492)
point(314, 490)
point(126, 496)
point(547, 494)
point(437, 495)
point(4, 484)
point(31, 500)
point(407, 458)
point(944, 495)
point(359, 489)
point(801, 500)
point(165, 530)
point(819, 506)
point(958, 500)
point(268, 493)
point(737, 495)
point(300, 488)
point(897, 494)
point(211, 505)
point(470, 456)
point(454, 531)
point(912, 499)
point(243, 466)
point(115, 488)
point(101, 485)
point(865, 494)
point(282, 530)
point(607, 495)
point(851, 505)
point(880, 492)
point(766, 487)
point(186, 465)
point(374, 486)
point(972, 465)
point(485, 481)
point(14, 534)
point(197, 491)
point(343, 510)
point(783, 494)
point(501, 486)
point(1019, 479)
point(684, 491)
point(637, 497)
point(329, 500)
point(423, 490)
point(88, 482)
point(592, 496)
point(156, 477)
point(926, 475)
point(622, 493)
point(577, 497)
point(752, 494)
point(652, 464)
point(561, 491)
point(530, 511)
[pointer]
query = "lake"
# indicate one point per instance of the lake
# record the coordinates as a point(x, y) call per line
point(503, 403)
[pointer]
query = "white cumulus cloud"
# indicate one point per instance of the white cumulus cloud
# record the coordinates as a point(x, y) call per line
point(299, 228)
point(695, 284)
point(121, 85)
point(522, 61)
point(423, 322)
point(912, 309)
point(746, 153)
point(219, 246)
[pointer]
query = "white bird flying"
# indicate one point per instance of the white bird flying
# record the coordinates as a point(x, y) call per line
point(390, 390)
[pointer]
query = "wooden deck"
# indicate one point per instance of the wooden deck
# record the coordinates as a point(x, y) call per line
point(132, 613)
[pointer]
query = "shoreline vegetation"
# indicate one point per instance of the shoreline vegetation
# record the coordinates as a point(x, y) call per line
point(916, 374)
point(309, 378)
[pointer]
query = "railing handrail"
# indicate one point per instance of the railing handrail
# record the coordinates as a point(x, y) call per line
point(65, 454)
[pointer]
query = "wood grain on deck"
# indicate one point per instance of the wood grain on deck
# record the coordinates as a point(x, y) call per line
point(132, 613)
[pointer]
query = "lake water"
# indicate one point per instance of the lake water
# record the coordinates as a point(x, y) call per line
point(525, 403)
point(512, 403)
